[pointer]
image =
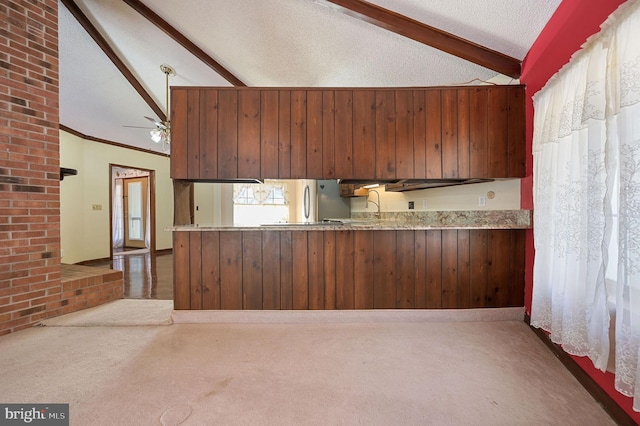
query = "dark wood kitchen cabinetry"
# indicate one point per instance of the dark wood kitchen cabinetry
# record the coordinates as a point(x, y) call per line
point(350, 269)
point(404, 133)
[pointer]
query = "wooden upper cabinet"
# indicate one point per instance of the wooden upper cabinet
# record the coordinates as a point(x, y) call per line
point(364, 133)
point(249, 145)
point(449, 133)
point(404, 133)
point(433, 133)
point(180, 140)
point(417, 133)
point(208, 135)
point(516, 131)
point(344, 133)
point(269, 136)
point(315, 114)
point(298, 134)
point(328, 135)
point(385, 139)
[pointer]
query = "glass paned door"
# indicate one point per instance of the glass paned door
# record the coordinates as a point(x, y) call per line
point(135, 208)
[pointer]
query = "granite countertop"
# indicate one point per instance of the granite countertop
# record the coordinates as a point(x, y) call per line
point(470, 219)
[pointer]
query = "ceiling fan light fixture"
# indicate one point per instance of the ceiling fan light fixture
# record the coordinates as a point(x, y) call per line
point(156, 135)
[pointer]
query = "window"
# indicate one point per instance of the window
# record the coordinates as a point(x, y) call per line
point(257, 204)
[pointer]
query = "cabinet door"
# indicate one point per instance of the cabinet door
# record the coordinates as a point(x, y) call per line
point(269, 153)
point(284, 134)
point(228, 134)
point(404, 134)
point(419, 135)
point(463, 133)
point(314, 134)
point(433, 132)
point(516, 133)
point(179, 117)
point(497, 123)
point(249, 134)
point(478, 144)
point(328, 135)
point(298, 134)
point(364, 134)
point(208, 134)
point(449, 136)
point(343, 135)
point(385, 150)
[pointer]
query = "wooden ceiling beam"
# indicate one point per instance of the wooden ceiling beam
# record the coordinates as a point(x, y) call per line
point(163, 25)
point(430, 36)
point(106, 141)
point(111, 54)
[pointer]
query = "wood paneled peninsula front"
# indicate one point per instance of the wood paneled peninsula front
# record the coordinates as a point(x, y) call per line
point(360, 264)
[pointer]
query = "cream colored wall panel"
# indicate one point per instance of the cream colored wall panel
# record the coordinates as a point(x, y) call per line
point(207, 203)
point(71, 198)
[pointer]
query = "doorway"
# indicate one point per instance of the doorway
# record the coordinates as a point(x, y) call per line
point(132, 208)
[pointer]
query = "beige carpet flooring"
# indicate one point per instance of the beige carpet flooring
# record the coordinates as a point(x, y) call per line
point(310, 372)
point(123, 312)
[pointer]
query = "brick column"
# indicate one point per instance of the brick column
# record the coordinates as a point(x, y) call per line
point(30, 286)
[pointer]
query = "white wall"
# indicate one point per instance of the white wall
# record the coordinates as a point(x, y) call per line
point(451, 198)
point(84, 232)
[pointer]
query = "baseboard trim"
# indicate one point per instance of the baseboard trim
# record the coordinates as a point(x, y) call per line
point(346, 316)
point(606, 402)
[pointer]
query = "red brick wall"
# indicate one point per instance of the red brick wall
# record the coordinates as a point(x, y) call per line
point(85, 287)
point(30, 287)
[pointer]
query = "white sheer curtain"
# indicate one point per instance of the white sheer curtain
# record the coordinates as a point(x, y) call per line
point(586, 151)
point(117, 217)
point(624, 133)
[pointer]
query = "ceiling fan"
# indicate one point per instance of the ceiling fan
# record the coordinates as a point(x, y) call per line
point(161, 133)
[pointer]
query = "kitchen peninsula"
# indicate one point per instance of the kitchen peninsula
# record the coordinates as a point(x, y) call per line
point(358, 264)
point(468, 260)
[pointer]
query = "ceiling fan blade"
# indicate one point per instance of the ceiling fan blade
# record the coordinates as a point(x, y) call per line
point(138, 127)
point(156, 122)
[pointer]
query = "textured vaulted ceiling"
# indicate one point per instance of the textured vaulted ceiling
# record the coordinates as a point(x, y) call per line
point(269, 43)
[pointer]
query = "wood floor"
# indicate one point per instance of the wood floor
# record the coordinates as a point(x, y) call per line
point(146, 275)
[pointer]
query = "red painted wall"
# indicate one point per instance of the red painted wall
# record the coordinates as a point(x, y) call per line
point(573, 22)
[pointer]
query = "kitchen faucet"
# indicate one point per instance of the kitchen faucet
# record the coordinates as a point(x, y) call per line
point(374, 203)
